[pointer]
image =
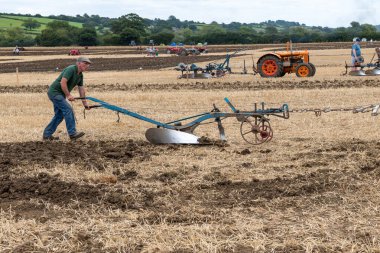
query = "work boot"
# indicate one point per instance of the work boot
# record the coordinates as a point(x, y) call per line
point(50, 138)
point(77, 135)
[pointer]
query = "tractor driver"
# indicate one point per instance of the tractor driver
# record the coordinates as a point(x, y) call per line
point(356, 54)
point(59, 91)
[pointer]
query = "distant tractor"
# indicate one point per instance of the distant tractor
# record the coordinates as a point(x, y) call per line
point(277, 64)
point(193, 51)
point(183, 51)
point(178, 50)
point(74, 52)
point(197, 50)
point(202, 48)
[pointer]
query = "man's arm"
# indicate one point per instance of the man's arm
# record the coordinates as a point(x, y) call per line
point(66, 90)
point(354, 51)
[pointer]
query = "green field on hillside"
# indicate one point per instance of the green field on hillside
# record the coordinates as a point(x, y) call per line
point(9, 21)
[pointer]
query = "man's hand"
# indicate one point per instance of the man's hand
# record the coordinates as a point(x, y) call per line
point(70, 97)
point(84, 102)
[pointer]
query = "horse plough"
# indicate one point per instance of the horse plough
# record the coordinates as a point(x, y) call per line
point(254, 125)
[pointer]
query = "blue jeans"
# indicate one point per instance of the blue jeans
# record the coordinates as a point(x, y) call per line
point(62, 110)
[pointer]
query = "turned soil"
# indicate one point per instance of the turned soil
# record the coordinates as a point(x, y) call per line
point(214, 192)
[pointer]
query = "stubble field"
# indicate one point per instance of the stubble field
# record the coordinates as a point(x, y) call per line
point(313, 188)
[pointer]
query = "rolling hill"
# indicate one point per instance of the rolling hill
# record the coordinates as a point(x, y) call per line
point(8, 21)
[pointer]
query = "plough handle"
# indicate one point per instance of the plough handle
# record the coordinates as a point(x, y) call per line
point(229, 103)
point(91, 106)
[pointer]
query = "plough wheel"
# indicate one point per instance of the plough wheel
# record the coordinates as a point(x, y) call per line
point(304, 70)
point(256, 133)
point(270, 66)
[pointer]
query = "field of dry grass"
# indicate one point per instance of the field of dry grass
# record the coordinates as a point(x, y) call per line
point(313, 188)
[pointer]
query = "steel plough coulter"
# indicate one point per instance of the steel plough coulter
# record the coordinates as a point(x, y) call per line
point(254, 125)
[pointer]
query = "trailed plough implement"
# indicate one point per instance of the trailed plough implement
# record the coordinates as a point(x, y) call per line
point(255, 127)
point(211, 70)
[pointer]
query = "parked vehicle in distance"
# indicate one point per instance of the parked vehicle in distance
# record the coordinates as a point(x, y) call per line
point(74, 52)
point(202, 48)
point(178, 50)
point(181, 50)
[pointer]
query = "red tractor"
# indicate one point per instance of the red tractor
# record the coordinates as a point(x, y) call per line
point(178, 50)
point(197, 50)
point(74, 52)
point(201, 48)
point(182, 51)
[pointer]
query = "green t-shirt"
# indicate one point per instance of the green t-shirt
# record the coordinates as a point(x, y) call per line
point(73, 79)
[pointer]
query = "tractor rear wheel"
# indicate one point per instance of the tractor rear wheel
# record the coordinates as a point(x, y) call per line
point(270, 66)
point(304, 70)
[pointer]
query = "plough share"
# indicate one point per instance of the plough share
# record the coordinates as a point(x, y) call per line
point(254, 128)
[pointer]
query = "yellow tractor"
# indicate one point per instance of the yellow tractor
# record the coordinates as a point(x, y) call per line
point(277, 64)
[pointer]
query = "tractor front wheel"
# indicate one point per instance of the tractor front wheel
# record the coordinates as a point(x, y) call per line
point(313, 68)
point(270, 66)
point(304, 70)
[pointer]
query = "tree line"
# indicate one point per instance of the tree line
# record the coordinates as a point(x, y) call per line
point(98, 30)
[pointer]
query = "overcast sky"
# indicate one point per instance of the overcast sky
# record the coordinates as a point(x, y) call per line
point(331, 13)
